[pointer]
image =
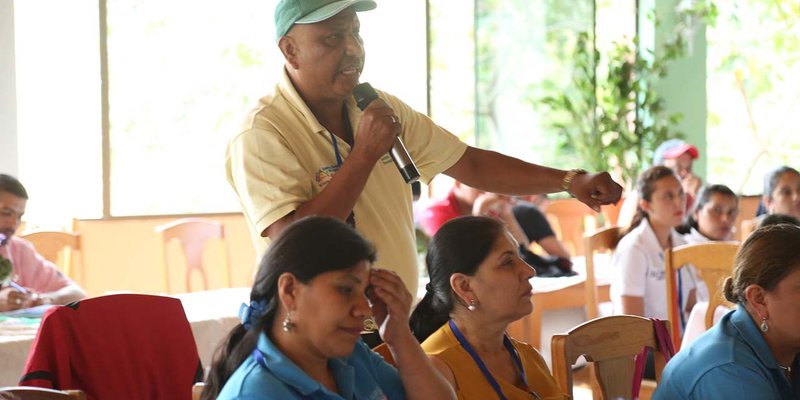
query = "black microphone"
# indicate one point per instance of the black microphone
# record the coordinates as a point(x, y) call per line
point(364, 94)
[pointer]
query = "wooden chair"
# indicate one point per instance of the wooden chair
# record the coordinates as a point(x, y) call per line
point(193, 234)
point(37, 393)
point(197, 390)
point(59, 247)
point(610, 344)
point(569, 219)
point(600, 241)
point(747, 227)
point(714, 263)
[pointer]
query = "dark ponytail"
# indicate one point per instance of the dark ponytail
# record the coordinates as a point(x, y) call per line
point(459, 246)
point(645, 186)
point(337, 246)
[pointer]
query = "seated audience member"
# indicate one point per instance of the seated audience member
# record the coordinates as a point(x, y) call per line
point(638, 284)
point(679, 156)
point(782, 192)
point(300, 335)
point(478, 286)
point(712, 217)
point(774, 219)
point(524, 221)
point(35, 281)
point(752, 351)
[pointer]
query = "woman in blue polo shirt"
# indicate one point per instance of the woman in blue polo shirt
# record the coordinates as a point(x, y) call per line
point(752, 351)
point(300, 335)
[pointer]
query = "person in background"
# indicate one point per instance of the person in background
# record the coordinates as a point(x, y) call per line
point(524, 220)
point(34, 280)
point(782, 191)
point(465, 200)
point(478, 286)
point(300, 334)
point(678, 156)
point(638, 275)
point(752, 352)
point(307, 149)
point(713, 216)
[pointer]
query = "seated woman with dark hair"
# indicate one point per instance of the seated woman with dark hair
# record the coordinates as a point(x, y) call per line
point(478, 286)
point(300, 335)
point(752, 351)
point(713, 215)
point(782, 191)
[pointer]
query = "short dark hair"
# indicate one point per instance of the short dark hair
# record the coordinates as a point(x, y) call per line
point(12, 185)
point(772, 178)
point(774, 219)
point(702, 199)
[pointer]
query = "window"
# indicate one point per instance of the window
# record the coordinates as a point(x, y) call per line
point(179, 83)
point(753, 92)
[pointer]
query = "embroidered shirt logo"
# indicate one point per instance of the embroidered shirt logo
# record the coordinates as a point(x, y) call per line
point(325, 174)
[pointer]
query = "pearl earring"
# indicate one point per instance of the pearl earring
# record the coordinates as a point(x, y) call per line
point(287, 322)
point(472, 305)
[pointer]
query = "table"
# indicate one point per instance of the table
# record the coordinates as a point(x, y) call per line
point(557, 294)
point(211, 314)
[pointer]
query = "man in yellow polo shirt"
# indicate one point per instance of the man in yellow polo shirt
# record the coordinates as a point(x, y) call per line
point(307, 149)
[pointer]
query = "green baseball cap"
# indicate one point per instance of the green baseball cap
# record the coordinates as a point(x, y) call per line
point(290, 12)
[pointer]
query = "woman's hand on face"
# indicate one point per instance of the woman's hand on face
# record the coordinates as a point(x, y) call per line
point(391, 304)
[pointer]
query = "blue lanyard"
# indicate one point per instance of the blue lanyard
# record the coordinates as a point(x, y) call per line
point(259, 356)
point(488, 375)
point(351, 219)
point(336, 150)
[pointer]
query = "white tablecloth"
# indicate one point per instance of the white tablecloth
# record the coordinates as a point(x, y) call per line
point(212, 314)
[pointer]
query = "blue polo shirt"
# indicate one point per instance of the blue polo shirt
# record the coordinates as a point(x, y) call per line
point(363, 375)
point(730, 361)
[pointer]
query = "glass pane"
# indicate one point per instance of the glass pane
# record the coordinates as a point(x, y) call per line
point(181, 82)
point(58, 110)
point(524, 52)
point(753, 92)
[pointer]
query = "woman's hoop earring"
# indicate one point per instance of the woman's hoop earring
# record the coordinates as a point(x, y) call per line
point(287, 322)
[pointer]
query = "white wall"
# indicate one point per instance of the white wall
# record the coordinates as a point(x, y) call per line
point(8, 102)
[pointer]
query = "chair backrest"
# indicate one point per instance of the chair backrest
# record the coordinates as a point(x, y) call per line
point(602, 240)
point(713, 262)
point(747, 227)
point(57, 247)
point(197, 390)
point(36, 393)
point(193, 234)
point(610, 344)
point(122, 347)
point(569, 217)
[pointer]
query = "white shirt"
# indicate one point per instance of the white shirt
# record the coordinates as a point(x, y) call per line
point(637, 269)
point(694, 237)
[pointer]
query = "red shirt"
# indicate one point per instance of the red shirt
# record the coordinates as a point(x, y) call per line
point(439, 212)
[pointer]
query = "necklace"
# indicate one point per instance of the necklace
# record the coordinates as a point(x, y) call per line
point(786, 370)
